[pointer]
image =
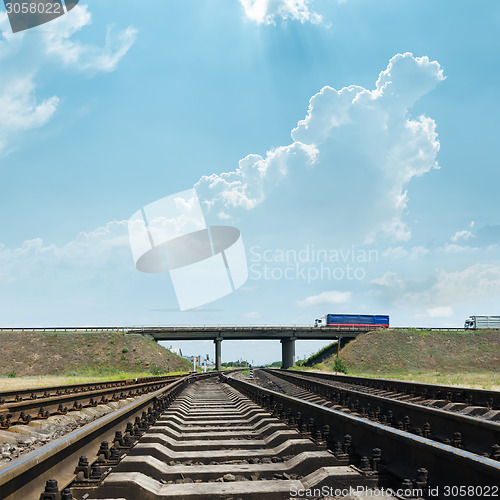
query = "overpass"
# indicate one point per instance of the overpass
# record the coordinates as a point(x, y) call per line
point(287, 335)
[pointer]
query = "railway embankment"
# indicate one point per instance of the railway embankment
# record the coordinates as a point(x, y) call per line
point(86, 354)
point(448, 357)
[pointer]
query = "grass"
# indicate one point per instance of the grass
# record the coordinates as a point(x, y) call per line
point(88, 355)
point(7, 384)
point(311, 360)
point(489, 381)
point(456, 358)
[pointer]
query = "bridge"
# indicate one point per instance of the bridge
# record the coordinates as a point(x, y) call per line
point(287, 335)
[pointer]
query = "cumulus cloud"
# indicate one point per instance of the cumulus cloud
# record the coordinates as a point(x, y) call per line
point(19, 108)
point(356, 151)
point(8, 41)
point(249, 184)
point(84, 57)
point(394, 146)
point(92, 250)
point(252, 315)
point(390, 280)
point(439, 312)
point(399, 252)
point(462, 236)
point(268, 11)
point(480, 281)
point(454, 248)
point(331, 297)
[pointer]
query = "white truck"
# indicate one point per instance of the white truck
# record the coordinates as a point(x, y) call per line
point(482, 322)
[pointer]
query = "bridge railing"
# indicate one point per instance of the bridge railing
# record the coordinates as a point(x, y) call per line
point(176, 328)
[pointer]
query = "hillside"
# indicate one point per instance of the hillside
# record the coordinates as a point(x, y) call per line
point(65, 353)
point(447, 352)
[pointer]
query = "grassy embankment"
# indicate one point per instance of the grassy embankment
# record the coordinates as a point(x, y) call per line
point(470, 359)
point(53, 358)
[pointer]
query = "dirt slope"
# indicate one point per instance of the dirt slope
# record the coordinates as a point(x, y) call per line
point(28, 353)
point(412, 350)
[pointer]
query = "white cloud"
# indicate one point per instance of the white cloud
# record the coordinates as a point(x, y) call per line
point(400, 252)
point(417, 252)
point(480, 281)
point(248, 185)
point(439, 312)
point(252, 315)
point(267, 11)
point(19, 109)
point(223, 216)
point(84, 57)
point(462, 235)
point(395, 147)
point(325, 298)
point(348, 135)
point(395, 253)
point(9, 42)
point(88, 251)
point(454, 248)
point(389, 280)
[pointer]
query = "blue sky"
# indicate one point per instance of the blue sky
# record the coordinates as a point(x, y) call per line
point(360, 126)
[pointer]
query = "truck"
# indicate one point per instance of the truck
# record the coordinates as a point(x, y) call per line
point(482, 322)
point(360, 320)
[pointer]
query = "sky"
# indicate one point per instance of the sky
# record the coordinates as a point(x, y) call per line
point(354, 145)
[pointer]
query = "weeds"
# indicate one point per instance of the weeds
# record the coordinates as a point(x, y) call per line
point(339, 366)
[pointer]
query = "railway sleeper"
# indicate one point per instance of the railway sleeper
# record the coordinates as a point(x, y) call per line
point(213, 442)
point(463, 436)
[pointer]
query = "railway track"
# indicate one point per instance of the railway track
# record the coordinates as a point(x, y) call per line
point(221, 436)
point(442, 395)
point(24, 405)
point(213, 442)
point(417, 415)
point(56, 390)
point(437, 468)
point(24, 478)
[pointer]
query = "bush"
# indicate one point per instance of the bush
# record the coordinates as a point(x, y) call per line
point(12, 374)
point(339, 366)
point(125, 349)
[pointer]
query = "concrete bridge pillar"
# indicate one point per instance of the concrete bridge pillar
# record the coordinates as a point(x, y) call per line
point(287, 352)
point(217, 343)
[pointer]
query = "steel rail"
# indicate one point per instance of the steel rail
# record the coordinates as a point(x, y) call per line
point(24, 411)
point(44, 407)
point(25, 477)
point(469, 433)
point(16, 395)
point(402, 453)
point(472, 397)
